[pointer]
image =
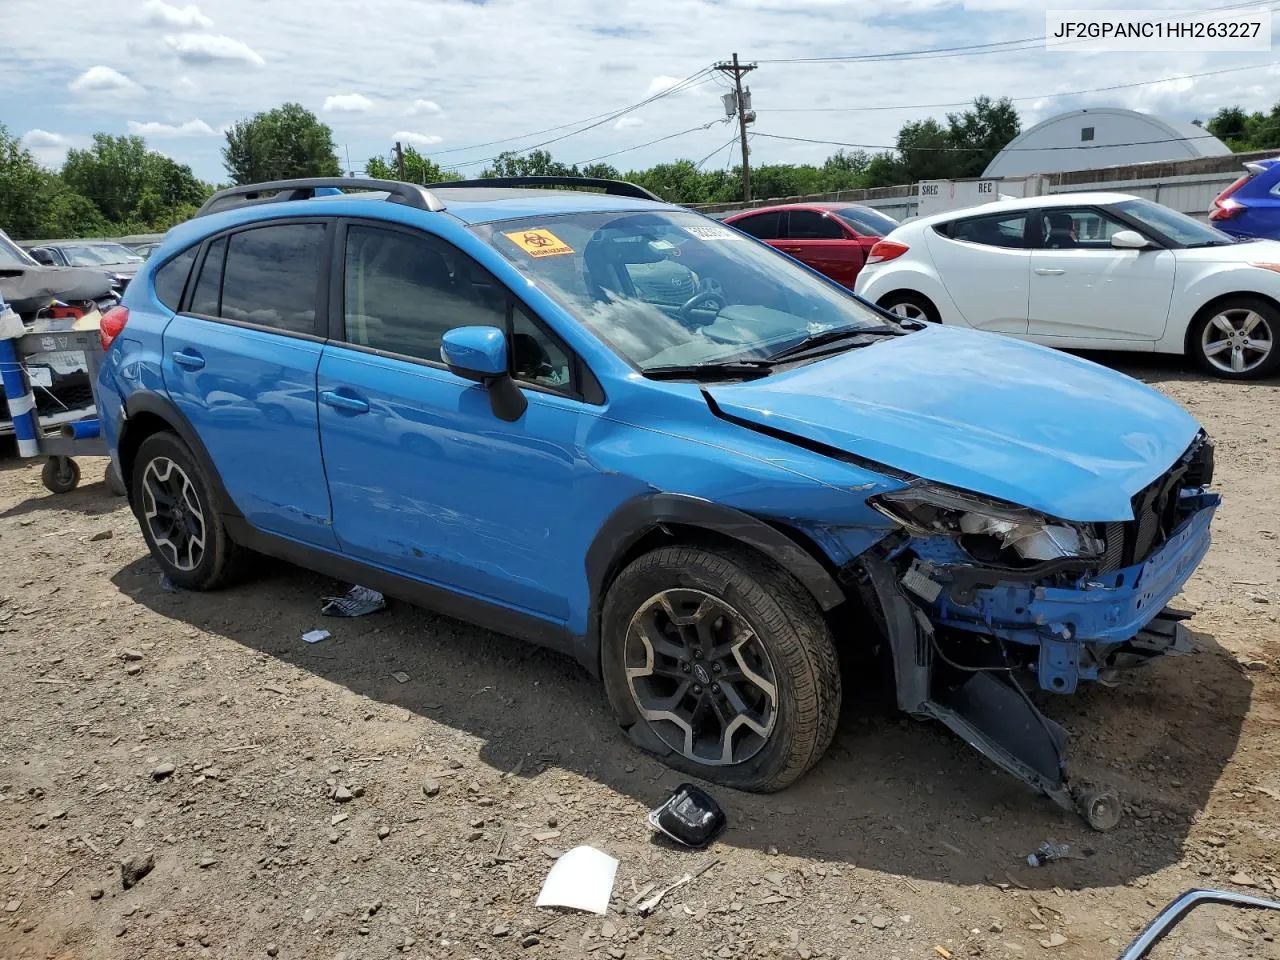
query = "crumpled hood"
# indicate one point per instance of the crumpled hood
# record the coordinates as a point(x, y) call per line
point(982, 412)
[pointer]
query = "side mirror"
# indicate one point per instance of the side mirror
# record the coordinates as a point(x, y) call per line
point(480, 354)
point(42, 256)
point(1129, 240)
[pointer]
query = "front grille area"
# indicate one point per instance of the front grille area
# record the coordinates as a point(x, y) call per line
point(1155, 509)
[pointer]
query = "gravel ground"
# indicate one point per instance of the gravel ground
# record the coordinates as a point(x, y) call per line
point(403, 787)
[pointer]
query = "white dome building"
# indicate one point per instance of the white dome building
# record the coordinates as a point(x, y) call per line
point(1101, 137)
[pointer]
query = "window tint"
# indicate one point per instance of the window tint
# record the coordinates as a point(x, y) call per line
point(536, 356)
point(811, 225)
point(402, 292)
point(869, 223)
point(172, 277)
point(1078, 229)
point(204, 300)
point(765, 226)
point(1010, 231)
point(271, 276)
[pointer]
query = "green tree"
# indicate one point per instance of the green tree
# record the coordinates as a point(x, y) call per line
point(926, 152)
point(535, 163)
point(1246, 131)
point(979, 134)
point(35, 203)
point(417, 169)
point(131, 185)
point(280, 144)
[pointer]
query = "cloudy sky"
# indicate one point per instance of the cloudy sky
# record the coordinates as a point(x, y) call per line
point(452, 75)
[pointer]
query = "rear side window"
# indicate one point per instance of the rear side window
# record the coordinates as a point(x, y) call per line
point(811, 225)
point(172, 278)
point(1009, 231)
point(764, 226)
point(271, 276)
point(204, 300)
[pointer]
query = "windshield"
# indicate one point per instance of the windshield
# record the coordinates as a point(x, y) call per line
point(869, 223)
point(672, 289)
point(1178, 227)
point(11, 255)
point(98, 254)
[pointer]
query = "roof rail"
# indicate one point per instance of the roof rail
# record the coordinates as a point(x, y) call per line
point(410, 194)
point(617, 188)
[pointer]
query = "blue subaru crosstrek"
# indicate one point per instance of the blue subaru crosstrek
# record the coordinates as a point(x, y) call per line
point(1250, 207)
point(615, 427)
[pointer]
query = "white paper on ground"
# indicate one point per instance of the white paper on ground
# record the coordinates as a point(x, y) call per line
point(315, 636)
point(581, 879)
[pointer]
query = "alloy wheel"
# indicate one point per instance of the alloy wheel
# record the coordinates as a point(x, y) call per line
point(701, 677)
point(1237, 341)
point(171, 509)
point(910, 311)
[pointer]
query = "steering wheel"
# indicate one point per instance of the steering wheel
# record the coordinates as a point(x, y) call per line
point(709, 291)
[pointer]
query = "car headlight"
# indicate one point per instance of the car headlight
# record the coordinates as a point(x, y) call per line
point(988, 529)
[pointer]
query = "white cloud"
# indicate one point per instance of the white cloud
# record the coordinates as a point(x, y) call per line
point(184, 86)
point(100, 78)
point(417, 139)
point(212, 47)
point(38, 138)
point(192, 128)
point(627, 123)
point(348, 103)
point(162, 14)
point(662, 84)
point(429, 107)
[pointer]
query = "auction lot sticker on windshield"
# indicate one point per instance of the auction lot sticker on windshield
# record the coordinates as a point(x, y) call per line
point(709, 231)
point(539, 243)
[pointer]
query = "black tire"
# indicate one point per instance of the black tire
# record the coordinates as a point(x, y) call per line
point(1203, 335)
point(219, 559)
point(60, 475)
point(915, 301)
point(783, 619)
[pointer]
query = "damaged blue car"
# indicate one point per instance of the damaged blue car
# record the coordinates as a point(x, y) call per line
point(622, 430)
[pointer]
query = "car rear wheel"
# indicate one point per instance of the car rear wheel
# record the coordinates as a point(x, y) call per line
point(174, 503)
point(1236, 338)
point(911, 306)
point(721, 664)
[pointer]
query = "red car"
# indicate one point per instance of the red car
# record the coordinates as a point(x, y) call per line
point(833, 238)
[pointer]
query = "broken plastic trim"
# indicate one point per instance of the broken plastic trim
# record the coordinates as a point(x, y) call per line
point(1177, 911)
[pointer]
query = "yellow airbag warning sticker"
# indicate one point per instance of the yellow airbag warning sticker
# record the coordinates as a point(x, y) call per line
point(539, 243)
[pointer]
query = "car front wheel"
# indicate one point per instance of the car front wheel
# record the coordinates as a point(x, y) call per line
point(1236, 338)
point(725, 662)
point(173, 500)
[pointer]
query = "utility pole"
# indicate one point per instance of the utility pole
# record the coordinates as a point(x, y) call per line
point(745, 115)
point(400, 159)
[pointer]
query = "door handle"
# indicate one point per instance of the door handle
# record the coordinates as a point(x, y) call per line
point(340, 401)
point(1048, 272)
point(188, 359)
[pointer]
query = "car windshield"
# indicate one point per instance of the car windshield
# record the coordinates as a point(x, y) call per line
point(11, 255)
point(870, 223)
point(674, 289)
point(1178, 227)
point(98, 254)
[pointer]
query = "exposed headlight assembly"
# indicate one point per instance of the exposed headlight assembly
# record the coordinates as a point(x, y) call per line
point(986, 527)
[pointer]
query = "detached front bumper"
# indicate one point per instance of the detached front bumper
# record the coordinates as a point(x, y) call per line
point(1061, 629)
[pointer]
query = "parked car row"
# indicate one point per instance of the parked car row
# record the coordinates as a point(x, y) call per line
point(612, 426)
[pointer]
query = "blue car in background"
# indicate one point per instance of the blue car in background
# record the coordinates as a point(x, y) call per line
point(478, 397)
point(1250, 207)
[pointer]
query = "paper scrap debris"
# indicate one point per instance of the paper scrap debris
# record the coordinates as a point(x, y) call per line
point(315, 636)
point(581, 879)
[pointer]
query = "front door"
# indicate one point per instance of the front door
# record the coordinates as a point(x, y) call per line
point(985, 264)
point(822, 242)
point(425, 480)
point(1084, 288)
point(240, 363)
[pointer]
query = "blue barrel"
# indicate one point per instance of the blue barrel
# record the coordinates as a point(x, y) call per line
point(22, 404)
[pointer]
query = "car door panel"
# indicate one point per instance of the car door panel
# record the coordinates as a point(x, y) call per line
point(1083, 288)
point(423, 482)
point(989, 283)
point(839, 256)
point(243, 373)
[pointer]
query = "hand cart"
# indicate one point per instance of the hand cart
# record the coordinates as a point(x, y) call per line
point(62, 443)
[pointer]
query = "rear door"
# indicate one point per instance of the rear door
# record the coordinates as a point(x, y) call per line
point(985, 264)
point(819, 240)
point(240, 363)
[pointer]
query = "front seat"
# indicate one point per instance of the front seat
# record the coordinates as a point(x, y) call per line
point(1060, 236)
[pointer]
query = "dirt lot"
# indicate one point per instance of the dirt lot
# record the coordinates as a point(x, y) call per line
point(902, 843)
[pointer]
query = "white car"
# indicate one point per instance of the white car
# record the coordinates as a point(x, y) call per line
point(1089, 271)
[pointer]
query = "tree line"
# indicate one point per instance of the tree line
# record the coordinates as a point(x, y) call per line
point(118, 186)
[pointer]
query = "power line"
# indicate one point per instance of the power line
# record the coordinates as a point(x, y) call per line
point(981, 49)
point(639, 146)
point(884, 146)
point(1045, 96)
point(732, 141)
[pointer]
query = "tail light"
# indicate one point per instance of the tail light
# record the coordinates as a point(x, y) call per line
point(885, 250)
point(1224, 208)
point(112, 325)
